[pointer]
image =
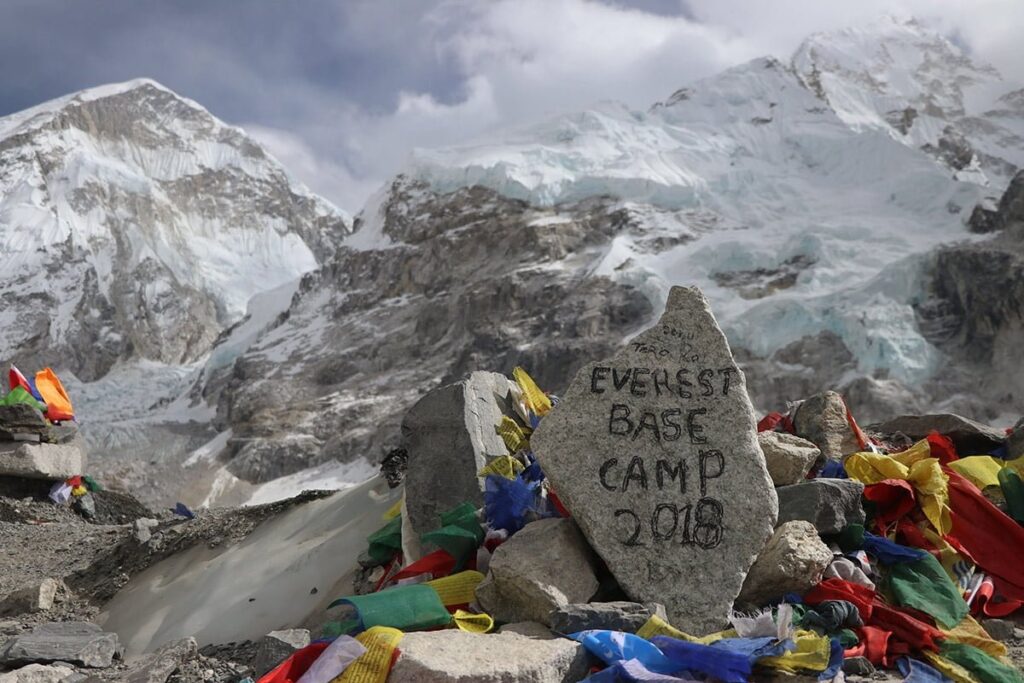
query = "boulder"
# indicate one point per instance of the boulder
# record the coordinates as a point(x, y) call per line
point(999, 629)
point(611, 616)
point(41, 460)
point(274, 647)
point(520, 652)
point(829, 504)
point(655, 453)
point(793, 561)
point(858, 666)
point(77, 642)
point(158, 667)
point(37, 597)
point(788, 457)
point(545, 566)
point(39, 673)
point(821, 419)
point(969, 437)
point(449, 435)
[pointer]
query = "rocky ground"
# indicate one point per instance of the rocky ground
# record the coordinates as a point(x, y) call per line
point(59, 566)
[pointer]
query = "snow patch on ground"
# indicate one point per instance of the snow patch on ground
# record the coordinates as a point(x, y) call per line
point(329, 476)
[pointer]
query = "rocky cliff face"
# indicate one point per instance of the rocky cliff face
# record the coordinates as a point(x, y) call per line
point(975, 313)
point(468, 279)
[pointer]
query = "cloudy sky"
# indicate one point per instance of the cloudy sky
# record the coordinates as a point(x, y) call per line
point(342, 90)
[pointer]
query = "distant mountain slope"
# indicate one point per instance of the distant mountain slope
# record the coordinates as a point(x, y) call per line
point(134, 229)
point(792, 200)
point(133, 224)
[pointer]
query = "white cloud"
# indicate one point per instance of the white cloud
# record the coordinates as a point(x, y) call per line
point(517, 61)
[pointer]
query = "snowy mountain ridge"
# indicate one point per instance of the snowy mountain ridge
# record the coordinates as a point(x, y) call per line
point(147, 210)
point(806, 198)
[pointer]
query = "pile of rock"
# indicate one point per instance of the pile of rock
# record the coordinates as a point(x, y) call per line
point(682, 510)
point(32, 448)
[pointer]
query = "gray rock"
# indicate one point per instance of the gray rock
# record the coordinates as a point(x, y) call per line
point(143, 529)
point(969, 437)
point(821, 419)
point(158, 667)
point(829, 504)
point(518, 653)
point(858, 666)
point(449, 435)
point(788, 457)
point(612, 616)
point(21, 418)
point(37, 597)
point(546, 565)
point(655, 453)
point(77, 642)
point(41, 460)
point(793, 561)
point(1015, 441)
point(999, 629)
point(84, 505)
point(274, 647)
point(39, 673)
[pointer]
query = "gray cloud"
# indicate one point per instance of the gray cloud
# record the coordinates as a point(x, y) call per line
point(342, 90)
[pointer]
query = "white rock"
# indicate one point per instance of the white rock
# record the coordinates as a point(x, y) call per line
point(42, 460)
point(788, 457)
point(38, 673)
point(518, 653)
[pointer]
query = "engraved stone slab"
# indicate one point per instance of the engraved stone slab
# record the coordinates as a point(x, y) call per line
point(655, 453)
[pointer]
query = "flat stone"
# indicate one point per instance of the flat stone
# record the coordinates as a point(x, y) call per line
point(969, 437)
point(276, 646)
point(792, 562)
point(39, 673)
point(77, 642)
point(41, 460)
point(788, 457)
point(22, 418)
point(158, 667)
point(449, 435)
point(521, 652)
point(829, 504)
point(546, 565)
point(999, 629)
point(37, 597)
point(655, 453)
point(821, 419)
point(858, 666)
point(609, 616)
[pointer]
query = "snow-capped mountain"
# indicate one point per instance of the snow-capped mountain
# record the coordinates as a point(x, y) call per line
point(135, 227)
point(788, 191)
point(809, 198)
point(897, 77)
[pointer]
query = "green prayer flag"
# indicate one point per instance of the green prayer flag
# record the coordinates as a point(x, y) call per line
point(982, 666)
point(923, 584)
point(408, 608)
